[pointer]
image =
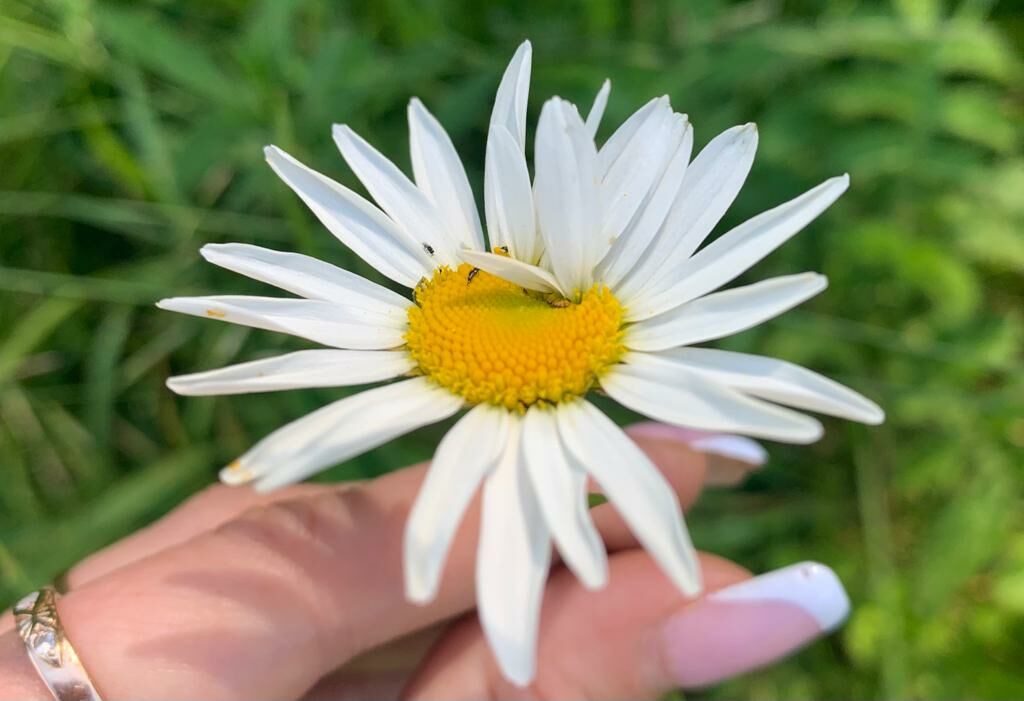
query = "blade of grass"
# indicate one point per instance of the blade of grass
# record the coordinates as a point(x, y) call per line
point(151, 42)
point(155, 351)
point(882, 575)
point(101, 366)
point(139, 219)
point(19, 499)
point(75, 445)
point(48, 472)
point(13, 576)
point(32, 329)
point(74, 289)
point(34, 39)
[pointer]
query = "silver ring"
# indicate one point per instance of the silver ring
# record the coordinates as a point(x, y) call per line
point(39, 626)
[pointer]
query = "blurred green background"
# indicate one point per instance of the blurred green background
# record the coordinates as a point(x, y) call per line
point(131, 133)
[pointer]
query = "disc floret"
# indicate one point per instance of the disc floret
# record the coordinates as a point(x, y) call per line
point(491, 341)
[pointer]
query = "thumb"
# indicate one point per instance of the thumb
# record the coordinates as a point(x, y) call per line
point(638, 638)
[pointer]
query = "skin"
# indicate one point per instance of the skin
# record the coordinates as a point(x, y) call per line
point(298, 594)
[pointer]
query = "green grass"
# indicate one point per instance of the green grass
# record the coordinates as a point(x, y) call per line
point(131, 133)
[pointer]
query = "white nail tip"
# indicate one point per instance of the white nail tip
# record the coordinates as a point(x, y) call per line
point(813, 587)
point(733, 447)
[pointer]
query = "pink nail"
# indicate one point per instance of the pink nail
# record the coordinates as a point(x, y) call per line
point(730, 457)
point(754, 623)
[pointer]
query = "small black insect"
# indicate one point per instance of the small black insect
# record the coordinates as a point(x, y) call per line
point(429, 249)
point(472, 274)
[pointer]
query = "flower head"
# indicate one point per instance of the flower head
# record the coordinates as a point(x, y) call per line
point(594, 278)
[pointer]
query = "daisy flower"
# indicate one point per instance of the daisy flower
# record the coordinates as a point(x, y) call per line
point(594, 278)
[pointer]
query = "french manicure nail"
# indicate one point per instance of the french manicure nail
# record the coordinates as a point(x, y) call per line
point(729, 457)
point(732, 447)
point(811, 586)
point(753, 623)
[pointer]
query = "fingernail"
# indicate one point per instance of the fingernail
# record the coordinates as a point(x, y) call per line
point(729, 457)
point(754, 623)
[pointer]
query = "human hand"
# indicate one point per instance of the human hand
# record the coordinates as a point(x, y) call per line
point(298, 594)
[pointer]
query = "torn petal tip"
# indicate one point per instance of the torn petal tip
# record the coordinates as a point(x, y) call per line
point(235, 473)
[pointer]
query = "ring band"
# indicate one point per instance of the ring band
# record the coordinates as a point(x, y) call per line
point(39, 626)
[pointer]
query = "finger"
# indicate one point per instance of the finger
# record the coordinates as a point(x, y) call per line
point(209, 617)
point(201, 512)
point(379, 674)
point(686, 456)
point(689, 459)
point(312, 581)
point(316, 578)
point(638, 638)
point(18, 680)
point(728, 458)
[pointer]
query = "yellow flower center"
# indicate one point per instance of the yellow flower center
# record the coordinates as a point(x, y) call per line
point(491, 341)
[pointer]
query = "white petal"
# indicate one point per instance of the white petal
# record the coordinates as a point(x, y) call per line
point(397, 195)
point(314, 320)
point(511, 565)
point(508, 197)
point(628, 248)
point(663, 391)
point(467, 454)
point(711, 184)
point(636, 488)
point(612, 149)
point(440, 174)
point(561, 489)
point(357, 223)
point(737, 250)
point(597, 109)
point(629, 181)
point(724, 313)
point(566, 195)
point(523, 274)
point(306, 276)
point(777, 381)
point(340, 431)
point(513, 93)
point(302, 369)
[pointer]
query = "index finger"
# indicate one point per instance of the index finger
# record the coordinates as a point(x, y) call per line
point(311, 580)
point(687, 457)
